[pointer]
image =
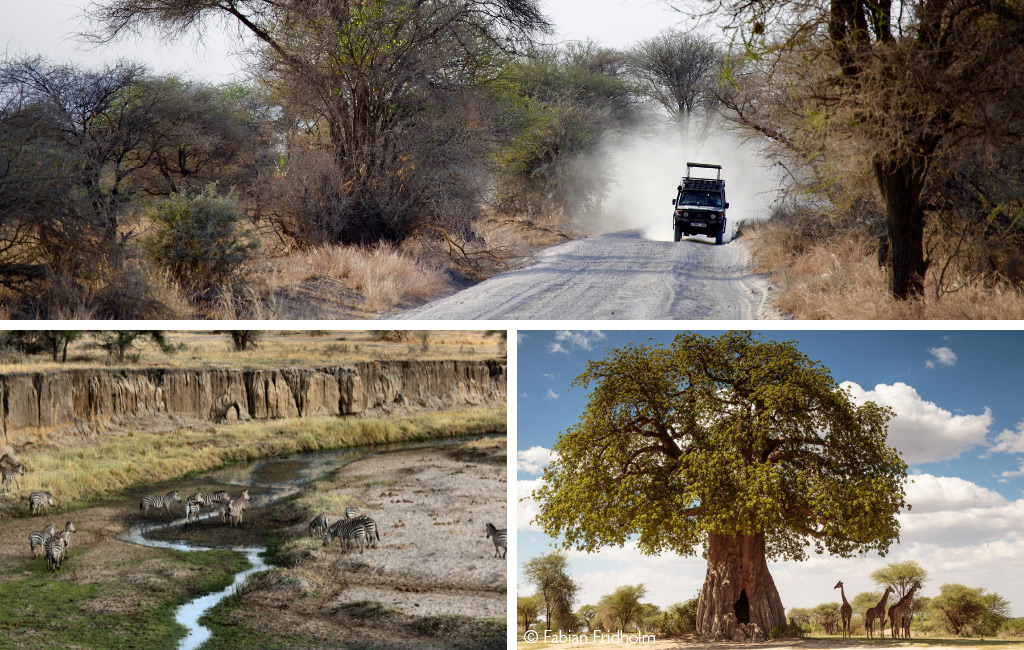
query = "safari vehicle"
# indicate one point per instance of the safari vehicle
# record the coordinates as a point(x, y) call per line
point(700, 204)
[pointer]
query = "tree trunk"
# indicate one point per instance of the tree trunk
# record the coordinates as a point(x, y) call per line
point(900, 183)
point(738, 591)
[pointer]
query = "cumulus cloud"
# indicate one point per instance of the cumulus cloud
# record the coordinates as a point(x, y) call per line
point(1010, 474)
point(922, 430)
point(928, 493)
point(527, 508)
point(551, 394)
point(943, 357)
point(534, 459)
point(581, 339)
point(556, 348)
point(1008, 442)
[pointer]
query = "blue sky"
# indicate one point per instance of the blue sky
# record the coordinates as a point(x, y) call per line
point(959, 403)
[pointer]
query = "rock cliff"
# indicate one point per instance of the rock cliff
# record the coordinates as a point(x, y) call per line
point(34, 404)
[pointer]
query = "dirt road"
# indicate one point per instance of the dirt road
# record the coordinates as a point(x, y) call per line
point(618, 276)
point(783, 644)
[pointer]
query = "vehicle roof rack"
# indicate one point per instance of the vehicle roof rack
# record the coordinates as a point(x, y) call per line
point(705, 166)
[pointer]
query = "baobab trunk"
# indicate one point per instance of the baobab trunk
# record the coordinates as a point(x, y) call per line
point(738, 590)
point(901, 183)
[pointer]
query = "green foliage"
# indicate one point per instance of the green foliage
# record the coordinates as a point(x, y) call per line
point(900, 576)
point(117, 343)
point(528, 609)
point(1013, 628)
point(622, 607)
point(680, 618)
point(244, 340)
point(198, 239)
point(550, 575)
point(727, 435)
point(967, 611)
point(826, 615)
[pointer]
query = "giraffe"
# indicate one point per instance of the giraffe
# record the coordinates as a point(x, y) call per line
point(845, 611)
point(901, 613)
point(878, 611)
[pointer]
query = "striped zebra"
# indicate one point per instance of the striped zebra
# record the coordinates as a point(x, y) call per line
point(220, 496)
point(500, 538)
point(372, 535)
point(236, 507)
point(346, 530)
point(351, 512)
point(56, 548)
point(193, 506)
point(9, 476)
point(158, 502)
point(38, 500)
point(36, 540)
point(318, 527)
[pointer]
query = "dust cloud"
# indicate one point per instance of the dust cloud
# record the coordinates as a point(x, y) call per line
point(647, 170)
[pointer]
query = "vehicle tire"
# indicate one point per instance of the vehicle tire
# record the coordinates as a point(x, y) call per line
point(679, 232)
point(718, 237)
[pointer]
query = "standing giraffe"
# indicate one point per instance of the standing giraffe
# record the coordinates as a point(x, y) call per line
point(878, 611)
point(845, 611)
point(901, 613)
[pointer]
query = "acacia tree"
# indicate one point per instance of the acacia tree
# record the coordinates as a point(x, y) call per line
point(895, 88)
point(550, 574)
point(741, 446)
point(900, 576)
point(622, 607)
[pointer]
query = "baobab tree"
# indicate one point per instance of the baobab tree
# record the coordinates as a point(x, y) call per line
point(741, 447)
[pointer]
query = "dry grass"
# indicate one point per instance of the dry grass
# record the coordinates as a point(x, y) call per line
point(280, 348)
point(76, 475)
point(383, 275)
point(840, 279)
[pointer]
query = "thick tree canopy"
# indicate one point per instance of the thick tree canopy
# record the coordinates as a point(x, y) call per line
point(722, 436)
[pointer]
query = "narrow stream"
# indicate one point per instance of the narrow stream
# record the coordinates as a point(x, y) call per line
point(277, 478)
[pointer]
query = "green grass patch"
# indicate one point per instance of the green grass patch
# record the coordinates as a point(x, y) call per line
point(230, 634)
point(38, 610)
point(87, 475)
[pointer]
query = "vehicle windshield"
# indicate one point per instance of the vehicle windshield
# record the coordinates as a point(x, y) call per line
point(697, 197)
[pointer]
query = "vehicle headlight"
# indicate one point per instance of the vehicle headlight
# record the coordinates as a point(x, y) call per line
point(685, 214)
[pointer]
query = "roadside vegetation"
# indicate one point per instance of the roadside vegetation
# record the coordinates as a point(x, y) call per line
point(88, 472)
point(41, 350)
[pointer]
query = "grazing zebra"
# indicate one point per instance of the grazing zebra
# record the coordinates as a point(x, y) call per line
point(500, 538)
point(36, 540)
point(236, 507)
point(372, 536)
point(345, 530)
point(9, 476)
point(351, 512)
point(159, 503)
point(318, 527)
point(37, 500)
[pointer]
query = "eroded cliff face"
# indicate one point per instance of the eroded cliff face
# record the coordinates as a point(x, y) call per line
point(35, 404)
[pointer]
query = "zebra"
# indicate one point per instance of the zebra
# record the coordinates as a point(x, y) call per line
point(221, 496)
point(318, 527)
point(236, 507)
point(345, 530)
point(36, 539)
point(159, 502)
point(9, 476)
point(56, 548)
point(351, 512)
point(38, 500)
point(194, 504)
point(500, 538)
point(66, 533)
point(372, 535)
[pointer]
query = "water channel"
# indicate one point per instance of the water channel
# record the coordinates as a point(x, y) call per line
point(276, 478)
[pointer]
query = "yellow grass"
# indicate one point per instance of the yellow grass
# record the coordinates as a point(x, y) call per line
point(277, 349)
point(83, 474)
point(840, 279)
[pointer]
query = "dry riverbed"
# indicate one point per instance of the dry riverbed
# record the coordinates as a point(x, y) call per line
point(433, 583)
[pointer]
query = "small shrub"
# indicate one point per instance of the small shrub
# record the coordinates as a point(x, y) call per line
point(199, 241)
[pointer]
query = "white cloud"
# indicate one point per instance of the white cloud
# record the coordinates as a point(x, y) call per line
point(534, 459)
point(922, 430)
point(943, 356)
point(1008, 442)
point(583, 339)
point(547, 376)
point(527, 508)
point(929, 493)
point(1006, 476)
point(555, 348)
point(552, 394)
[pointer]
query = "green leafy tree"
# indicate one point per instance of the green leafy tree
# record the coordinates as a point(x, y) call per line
point(528, 609)
point(900, 576)
point(550, 575)
point(861, 603)
point(966, 610)
point(622, 607)
point(117, 343)
point(245, 339)
point(743, 446)
point(586, 614)
point(827, 616)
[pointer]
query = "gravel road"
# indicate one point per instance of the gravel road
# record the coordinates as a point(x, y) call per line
point(618, 275)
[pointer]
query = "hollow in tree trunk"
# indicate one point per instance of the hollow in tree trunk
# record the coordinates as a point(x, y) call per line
point(738, 590)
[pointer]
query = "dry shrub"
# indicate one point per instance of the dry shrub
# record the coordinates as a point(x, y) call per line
point(839, 278)
point(384, 275)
